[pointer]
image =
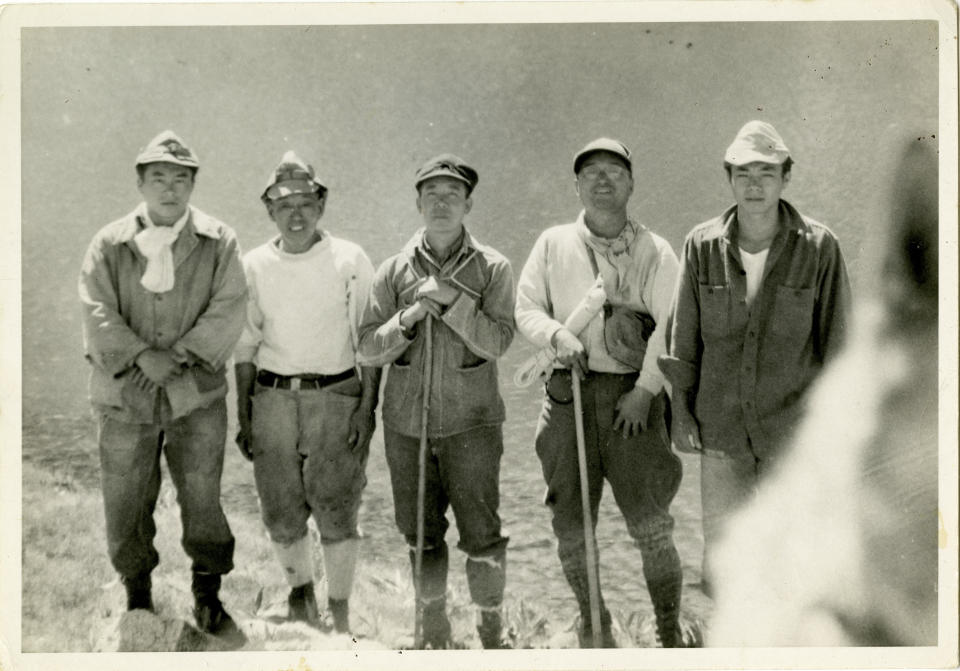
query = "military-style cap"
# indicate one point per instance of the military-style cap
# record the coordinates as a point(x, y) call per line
point(167, 147)
point(757, 141)
point(602, 144)
point(448, 165)
point(292, 175)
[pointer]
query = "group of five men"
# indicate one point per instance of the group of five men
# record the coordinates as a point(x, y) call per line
point(714, 351)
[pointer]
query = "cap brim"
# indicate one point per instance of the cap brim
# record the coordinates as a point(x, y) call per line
point(443, 172)
point(745, 157)
point(291, 188)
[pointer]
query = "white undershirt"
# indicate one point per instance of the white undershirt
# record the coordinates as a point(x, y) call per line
point(753, 265)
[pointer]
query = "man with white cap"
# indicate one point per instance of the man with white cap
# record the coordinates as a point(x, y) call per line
point(447, 284)
point(761, 304)
point(163, 297)
point(306, 417)
point(624, 403)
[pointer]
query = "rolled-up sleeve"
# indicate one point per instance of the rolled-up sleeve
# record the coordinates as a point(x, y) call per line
point(534, 310)
point(658, 297)
point(486, 325)
point(108, 340)
point(381, 337)
point(684, 348)
point(217, 330)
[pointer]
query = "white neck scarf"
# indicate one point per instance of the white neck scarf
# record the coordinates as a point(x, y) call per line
point(155, 243)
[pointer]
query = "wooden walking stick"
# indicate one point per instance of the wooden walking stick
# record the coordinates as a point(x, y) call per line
point(592, 585)
point(422, 485)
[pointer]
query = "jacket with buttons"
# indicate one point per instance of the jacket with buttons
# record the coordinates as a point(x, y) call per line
point(474, 331)
point(200, 319)
point(746, 369)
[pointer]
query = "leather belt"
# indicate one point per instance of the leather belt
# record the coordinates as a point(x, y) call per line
point(297, 382)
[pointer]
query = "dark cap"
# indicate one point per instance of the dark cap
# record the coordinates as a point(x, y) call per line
point(448, 165)
point(292, 175)
point(602, 144)
point(167, 147)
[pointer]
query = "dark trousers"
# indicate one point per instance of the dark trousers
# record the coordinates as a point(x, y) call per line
point(463, 472)
point(643, 473)
point(130, 463)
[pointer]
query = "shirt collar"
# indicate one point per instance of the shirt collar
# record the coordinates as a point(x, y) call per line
point(418, 244)
point(790, 219)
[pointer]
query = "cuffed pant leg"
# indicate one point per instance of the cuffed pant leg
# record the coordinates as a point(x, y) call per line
point(726, 484)
point(130, 463)
point(556, 446)
point(277, 465)
point(195, 448)
point(470, 470)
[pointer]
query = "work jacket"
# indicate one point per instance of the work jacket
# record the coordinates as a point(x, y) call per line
point(474, 331)
point(200, 319)
point(748, 367)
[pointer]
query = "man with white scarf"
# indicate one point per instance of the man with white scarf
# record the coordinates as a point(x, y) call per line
point(164, 301)
point(624, 404)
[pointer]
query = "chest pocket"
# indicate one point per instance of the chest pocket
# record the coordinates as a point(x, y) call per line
point(793, 313)
point(714, 310)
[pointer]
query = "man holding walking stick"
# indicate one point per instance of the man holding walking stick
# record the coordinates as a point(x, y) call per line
point(611, 369)
point(441, 313)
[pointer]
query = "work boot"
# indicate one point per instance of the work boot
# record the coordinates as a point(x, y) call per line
point(302, 605)
point(436, 626)
point(209, 612)
point(138, 591)
point(490, 630)
point(340, 610)
point(585, 629)
point(665, 595)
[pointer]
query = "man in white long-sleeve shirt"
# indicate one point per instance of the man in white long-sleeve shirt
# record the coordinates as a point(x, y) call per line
point(624, 404)
point(305, 416)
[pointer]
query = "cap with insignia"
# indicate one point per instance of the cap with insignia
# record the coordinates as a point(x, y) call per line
point(292, 175)
point(167, 147)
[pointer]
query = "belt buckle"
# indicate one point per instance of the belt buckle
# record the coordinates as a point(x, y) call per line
point(295, 384)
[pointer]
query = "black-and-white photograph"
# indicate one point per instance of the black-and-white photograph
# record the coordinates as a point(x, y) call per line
point(480, 335)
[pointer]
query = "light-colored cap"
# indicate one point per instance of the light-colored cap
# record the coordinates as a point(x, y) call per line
point(602, 144)
point(167, 147)
point(757, 141)
point(292, 175)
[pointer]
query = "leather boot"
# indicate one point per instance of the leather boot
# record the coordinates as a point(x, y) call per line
point(138, 591)
point(490, 630)
point(585, 629)
point(433, 601)
point(209, 612)
point(665, 595)
point(302, 605)
point(436, 626)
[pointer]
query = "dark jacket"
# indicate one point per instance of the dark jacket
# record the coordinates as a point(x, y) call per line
point(748, 369)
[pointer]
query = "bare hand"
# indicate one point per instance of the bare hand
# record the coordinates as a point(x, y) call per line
point(633, 410)
point(418, 311)
point(570, 351)
point(362, 424)
point(684, 431)
point(159, 366)
point(438, 290)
